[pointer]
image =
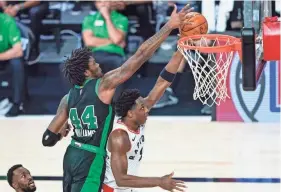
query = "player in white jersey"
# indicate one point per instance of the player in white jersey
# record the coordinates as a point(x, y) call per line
point(125, 143)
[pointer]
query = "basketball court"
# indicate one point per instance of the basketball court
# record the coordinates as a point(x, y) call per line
point(208, 155)
point(215, 157)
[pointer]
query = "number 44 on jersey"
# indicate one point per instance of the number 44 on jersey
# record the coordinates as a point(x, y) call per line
point(86, 124)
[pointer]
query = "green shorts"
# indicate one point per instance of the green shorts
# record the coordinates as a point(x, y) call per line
point(83, 170)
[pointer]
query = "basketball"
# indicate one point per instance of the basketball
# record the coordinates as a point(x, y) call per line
point(198, 25)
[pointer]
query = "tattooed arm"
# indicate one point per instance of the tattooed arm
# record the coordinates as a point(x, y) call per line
point(61, 117)
point(116, 77)
point(161, 84)
point(53, 133)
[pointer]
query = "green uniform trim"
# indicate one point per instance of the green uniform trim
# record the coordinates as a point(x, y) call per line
point(87, 147)
point(93, 181)
point(85, 82)
point(97, 86)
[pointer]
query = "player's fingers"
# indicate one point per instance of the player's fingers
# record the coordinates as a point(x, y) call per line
point(187, 23)
point(187, 16)
point(175, 9)
point(189, 10)
point(186, 7)
point(178, 181)
point(178, 189)
point(181, 185)
point(171, 174)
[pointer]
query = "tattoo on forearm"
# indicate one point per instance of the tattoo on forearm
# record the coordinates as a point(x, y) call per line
point(63, 104)
point(154, 42)
point(144, 52)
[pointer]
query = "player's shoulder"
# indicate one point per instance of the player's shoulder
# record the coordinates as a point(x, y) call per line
point(119, 133)
point(118, 124)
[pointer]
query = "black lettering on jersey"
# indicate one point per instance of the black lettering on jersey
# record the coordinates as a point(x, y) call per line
point(141, 140)
point(140, 154)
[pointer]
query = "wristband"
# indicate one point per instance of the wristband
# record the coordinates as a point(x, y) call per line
point(167, 75)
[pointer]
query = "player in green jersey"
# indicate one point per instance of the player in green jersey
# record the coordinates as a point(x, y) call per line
point(88, 107)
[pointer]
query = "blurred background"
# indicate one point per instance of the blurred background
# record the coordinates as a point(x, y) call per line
point(51, 30)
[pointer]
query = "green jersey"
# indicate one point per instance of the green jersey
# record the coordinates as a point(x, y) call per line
point(97, 25)
point(91, 119)
point(9, 32)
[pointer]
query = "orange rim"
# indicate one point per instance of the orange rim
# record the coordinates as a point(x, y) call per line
point(235, 43)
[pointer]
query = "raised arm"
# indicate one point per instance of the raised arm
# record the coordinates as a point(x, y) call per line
point(52, 134)
point(119, 145)
point(116, 77)
point(164, 80)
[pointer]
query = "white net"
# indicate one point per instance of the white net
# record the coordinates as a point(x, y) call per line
point(210, 70)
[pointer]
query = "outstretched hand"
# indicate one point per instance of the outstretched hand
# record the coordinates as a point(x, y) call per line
point(178, 18)
point(170, 184)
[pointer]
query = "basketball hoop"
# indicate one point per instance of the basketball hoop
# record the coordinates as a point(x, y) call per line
point(209, 57)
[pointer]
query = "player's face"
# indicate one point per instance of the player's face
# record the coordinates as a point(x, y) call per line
point(23, 180)
point(94, 70)
point(140, 111)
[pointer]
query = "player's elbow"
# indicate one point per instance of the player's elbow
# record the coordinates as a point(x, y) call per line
point(49, 138)
point(121, 182)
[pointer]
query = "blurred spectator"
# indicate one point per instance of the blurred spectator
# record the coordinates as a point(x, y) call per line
point(20, 179)
point(105, 33)
point(77, 8)
point(235, 21)
point(36, 10)
point(11, 55)
point(141, 10)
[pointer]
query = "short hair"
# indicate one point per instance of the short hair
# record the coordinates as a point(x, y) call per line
point(10, 173)
point(75, 66)
point(126, 101)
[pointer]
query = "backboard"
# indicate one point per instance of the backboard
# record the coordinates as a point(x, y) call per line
point(260, 37)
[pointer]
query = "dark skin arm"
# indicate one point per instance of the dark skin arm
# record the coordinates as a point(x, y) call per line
point(161, 84)
point(61, 117)
point(112, 79)
point(119, 145)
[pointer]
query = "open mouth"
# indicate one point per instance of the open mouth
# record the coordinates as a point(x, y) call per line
point(31, 184)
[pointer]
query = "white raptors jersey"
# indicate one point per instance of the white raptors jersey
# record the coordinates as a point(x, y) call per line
point(134, 156)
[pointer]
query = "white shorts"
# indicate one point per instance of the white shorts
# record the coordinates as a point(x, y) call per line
point(106, 188)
